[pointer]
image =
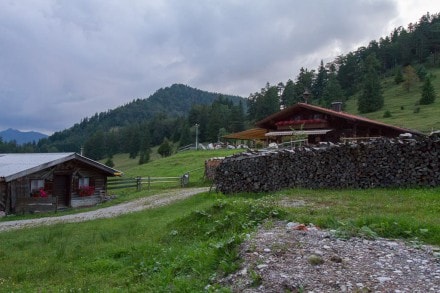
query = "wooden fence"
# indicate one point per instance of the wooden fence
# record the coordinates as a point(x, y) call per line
point(138, 182)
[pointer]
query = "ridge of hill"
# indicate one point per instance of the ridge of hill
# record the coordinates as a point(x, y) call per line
point(173, 101)
point(21, 137)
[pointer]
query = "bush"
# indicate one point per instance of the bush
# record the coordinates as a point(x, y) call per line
point(165, 149)
point(387, 114)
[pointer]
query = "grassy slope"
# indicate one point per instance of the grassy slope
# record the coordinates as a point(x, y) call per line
point(175, 165)
point(396, 97)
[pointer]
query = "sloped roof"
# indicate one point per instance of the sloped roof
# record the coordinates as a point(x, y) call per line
point(13, 166)
point(286, 113)
point(254, 133)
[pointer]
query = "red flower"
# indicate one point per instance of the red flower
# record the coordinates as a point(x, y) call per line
point(43, 193)
point(86, 190)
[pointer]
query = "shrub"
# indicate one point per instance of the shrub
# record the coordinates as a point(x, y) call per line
point(165, 149)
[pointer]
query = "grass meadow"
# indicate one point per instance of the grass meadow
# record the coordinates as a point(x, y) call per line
point(403, 105)
point(189, 244)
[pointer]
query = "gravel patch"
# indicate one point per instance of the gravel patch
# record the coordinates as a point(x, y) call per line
point(108, 212)
point(296, 258)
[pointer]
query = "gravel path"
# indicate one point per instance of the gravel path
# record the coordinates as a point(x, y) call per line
point(109, 212)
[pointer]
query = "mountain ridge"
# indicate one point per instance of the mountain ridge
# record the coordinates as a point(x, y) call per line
point(21, 137)
point(172, 102)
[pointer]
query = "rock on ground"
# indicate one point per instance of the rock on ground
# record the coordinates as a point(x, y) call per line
point(294, 258)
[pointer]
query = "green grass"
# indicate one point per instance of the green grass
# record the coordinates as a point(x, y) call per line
point(175, 165)
point(402, 105)
point(391, 213)
point(176, 248)
point(189, 244)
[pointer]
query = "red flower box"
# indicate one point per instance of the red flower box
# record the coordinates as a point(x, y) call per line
point(86, 190)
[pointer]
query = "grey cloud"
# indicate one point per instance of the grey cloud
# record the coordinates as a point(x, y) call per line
point(61, 61)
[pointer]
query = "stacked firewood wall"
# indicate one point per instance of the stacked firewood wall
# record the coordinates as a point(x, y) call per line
point(380, 163)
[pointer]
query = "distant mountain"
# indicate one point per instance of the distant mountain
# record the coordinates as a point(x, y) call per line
point(173, 102)
point(21, 137)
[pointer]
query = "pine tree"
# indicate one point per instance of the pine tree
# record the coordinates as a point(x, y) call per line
point(264, 103)
point(165, 149)
point(398, 78)
point(185, 134)
point(133, 141)
point(145, 145)
point(320, 81)
point(237, 118)
point(428, 93)
point(371, 98)
point(332, 91)
point(288, 95)
point(304, 82)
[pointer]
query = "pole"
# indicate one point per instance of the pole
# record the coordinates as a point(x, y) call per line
point(197, 136)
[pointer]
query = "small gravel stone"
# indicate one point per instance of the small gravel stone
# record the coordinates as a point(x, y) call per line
point(349, 265)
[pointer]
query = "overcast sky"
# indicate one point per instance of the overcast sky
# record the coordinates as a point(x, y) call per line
point(61, 61)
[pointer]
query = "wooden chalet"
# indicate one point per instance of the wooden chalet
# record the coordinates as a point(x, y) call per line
point(45, 181)
point(319, 124)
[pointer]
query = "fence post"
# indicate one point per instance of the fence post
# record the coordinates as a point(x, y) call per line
point(138, 183)
point(149, 182)
point(184, 180)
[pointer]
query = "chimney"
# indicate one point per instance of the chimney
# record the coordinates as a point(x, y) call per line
point(306, 95)
point(336, 106)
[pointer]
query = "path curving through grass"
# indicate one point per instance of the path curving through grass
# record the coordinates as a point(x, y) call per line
point(108, 212)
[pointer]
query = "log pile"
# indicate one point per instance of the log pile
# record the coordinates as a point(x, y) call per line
point(211, 166)
point(379, 163)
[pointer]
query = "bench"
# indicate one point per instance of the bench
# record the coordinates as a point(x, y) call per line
point(36, 204)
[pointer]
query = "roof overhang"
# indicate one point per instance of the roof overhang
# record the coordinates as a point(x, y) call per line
point(254, 133)
point(298, 132)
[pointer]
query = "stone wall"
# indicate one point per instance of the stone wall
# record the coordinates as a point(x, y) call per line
point(380, 163)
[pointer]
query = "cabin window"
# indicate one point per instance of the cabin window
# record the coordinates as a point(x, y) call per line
point(37, 188)
point(83, 182)
point(37, 184)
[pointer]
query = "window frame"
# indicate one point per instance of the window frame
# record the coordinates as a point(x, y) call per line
point(83, 182)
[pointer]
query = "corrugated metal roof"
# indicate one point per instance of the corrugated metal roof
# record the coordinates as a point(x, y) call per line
point(13, 166)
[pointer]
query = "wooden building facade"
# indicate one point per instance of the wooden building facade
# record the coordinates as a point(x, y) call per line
point(35, 178)
point(319, 124)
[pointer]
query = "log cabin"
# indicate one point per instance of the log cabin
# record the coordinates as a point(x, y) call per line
point(41, 181)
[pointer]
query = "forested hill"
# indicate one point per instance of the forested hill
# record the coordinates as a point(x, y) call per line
point(174, 101)
point(166, 103)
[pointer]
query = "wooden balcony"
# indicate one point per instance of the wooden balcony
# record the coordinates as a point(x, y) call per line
point(302, 124)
